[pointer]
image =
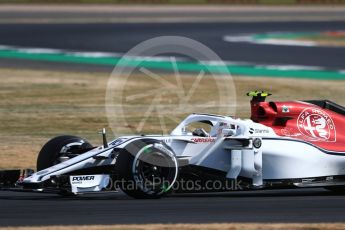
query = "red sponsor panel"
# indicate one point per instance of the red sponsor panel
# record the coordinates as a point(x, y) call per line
point(305, 121)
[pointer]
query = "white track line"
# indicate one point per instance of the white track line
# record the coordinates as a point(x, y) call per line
point(269, 41)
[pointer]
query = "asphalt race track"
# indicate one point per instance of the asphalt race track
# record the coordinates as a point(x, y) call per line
point(108, 37)
point(303, 205)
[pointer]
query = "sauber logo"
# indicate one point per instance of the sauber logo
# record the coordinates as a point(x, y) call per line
point(316, 125)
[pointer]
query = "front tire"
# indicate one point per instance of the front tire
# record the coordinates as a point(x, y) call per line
point(147, 168)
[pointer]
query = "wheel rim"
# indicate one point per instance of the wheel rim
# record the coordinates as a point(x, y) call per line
point(155, 169)
point(66, 150)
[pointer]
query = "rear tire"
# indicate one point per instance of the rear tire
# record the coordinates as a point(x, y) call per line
point(147, 168)
point(57, 147)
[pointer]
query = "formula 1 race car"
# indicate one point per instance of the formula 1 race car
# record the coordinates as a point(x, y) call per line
point(292, 144)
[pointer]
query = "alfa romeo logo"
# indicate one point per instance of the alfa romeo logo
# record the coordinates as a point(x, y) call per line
point(316, 125)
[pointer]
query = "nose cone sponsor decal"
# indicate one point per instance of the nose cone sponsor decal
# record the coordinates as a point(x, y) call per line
point(81, 179)
point(316, 125)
